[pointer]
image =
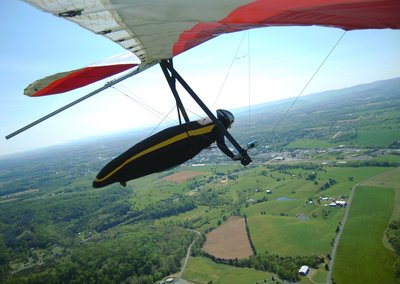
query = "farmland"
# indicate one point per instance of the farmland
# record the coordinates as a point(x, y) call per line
point(374, 204)
point(229, 241)
point(54, 226)
point(204, 270)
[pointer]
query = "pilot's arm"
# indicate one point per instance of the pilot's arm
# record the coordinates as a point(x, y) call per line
point(222, 146)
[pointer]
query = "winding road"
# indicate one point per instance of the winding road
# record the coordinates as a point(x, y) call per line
point(187, 256)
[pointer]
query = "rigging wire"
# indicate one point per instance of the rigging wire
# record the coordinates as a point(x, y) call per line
point(229, 69)
point(129, 94)
point(158, 125)
point(152, 110)
point(249, 80)
point(309, 81)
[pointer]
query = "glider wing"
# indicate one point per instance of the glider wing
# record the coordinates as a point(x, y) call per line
point(160, 29)
point(154, 30)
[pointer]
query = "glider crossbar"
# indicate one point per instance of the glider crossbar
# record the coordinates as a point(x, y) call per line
point(106, 86)
point(167, 64)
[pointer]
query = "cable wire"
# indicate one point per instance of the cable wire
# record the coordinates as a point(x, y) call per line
point(309, 81)
point(229, 69)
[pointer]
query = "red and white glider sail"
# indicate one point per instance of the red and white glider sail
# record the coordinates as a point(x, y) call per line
point(70, 80)
point(160, 29)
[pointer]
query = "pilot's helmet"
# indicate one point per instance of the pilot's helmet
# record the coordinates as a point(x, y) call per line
point(226, 117)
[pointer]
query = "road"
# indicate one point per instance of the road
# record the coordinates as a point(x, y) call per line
point(188, 255)
point(337, 239)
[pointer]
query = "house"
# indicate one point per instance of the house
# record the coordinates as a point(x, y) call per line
point(341, 203)
point(304, 270)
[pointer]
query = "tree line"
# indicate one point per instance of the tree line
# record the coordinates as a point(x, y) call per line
point(393, 235)
point(286, 267)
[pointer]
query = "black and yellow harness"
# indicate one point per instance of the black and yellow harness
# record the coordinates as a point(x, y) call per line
point(166, 149)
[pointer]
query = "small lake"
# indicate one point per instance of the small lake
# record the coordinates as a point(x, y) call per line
point(284, 198)
point(302, 217)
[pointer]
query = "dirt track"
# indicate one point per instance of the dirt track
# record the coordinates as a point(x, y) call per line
point(182, 176)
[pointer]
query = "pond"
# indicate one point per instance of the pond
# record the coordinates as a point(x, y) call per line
point(302, 217)
point(284, 198)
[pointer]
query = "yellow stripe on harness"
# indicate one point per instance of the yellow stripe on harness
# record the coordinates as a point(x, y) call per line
point(165, 143)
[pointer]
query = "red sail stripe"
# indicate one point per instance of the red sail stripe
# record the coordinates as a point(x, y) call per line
point(348, 15)
point(81, 77)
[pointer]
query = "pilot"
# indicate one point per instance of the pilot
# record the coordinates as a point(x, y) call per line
point(169, 148)
point(227, 119)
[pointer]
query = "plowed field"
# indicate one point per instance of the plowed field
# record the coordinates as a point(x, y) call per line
point(229, 241)
point(182, 176)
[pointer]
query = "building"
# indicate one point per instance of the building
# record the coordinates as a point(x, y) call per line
point(341, 203)
point(304, 270)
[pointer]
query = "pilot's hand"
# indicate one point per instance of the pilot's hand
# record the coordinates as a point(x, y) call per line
point(237, 157)
point(245, 159)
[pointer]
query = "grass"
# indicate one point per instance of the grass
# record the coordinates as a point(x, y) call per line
point(388, 158)
point(376, 137)
point(346, 178)
point(203, 270)
point(389, 179)
point(310, 144)
point(291, 236)
point(370, 261)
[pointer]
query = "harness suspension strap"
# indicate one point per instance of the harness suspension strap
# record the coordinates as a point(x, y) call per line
point(172, 84)
point(220, 126)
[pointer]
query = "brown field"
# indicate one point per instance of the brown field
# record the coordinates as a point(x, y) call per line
point(229, 241)
point(182, 176)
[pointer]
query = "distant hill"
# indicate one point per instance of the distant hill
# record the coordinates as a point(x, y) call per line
point(359, 114)
point(379, 90)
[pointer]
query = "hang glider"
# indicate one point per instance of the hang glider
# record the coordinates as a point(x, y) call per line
point(156, 30)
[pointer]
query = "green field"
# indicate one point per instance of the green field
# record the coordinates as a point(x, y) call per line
point(388, 158)
point(370, 261)
point(310, 144)
point(203, 270)
point(290, 236)
point(376, 137)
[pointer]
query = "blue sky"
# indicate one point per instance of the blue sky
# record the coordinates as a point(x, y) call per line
point(271, 64)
